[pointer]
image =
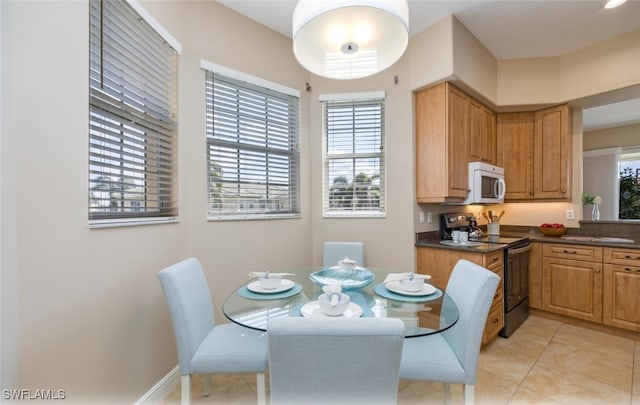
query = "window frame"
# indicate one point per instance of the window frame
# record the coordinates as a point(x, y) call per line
point(254, 84)
point(353, 99)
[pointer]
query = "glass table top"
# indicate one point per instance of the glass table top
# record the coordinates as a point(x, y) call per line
point(421, 314)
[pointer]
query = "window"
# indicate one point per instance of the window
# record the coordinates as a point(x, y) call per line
point(132, 117)
point(252, 148)
point(630, 183)
point(354, 168)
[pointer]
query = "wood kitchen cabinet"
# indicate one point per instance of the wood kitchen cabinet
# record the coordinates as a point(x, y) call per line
point(572, 280)
point(621, 289)
point(535, 275)
point(442, 144)
point(482, 133)
point(515, 153)
point(439, 264)
point(535, 150)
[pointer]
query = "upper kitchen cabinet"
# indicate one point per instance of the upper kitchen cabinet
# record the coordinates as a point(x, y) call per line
point(442, 144)
point(535, 150)
point(552, 154)
point(482, 133)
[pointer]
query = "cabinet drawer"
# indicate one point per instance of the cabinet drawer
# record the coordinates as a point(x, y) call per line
point(494, 261)
point(495, 322)
point(573, 252)
point(622, 256)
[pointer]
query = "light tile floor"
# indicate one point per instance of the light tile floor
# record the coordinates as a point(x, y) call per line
point(544, 362)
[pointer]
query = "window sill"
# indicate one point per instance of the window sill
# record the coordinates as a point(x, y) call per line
point(116, 223)
point(252, 217)
point(354, 215)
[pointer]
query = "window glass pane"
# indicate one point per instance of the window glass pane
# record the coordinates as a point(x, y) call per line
point(630, 184)
point(354, 159)
point(253, 158)
point(132, 109)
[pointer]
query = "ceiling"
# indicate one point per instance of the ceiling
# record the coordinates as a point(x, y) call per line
point(508, 29)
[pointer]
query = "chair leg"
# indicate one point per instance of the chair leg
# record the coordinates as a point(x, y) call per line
point(467, 391)
point(447, 393)
point(185, 383)
point(206, 384)
point(260, 388)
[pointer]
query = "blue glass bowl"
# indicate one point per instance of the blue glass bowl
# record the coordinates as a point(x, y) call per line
point(348, 279)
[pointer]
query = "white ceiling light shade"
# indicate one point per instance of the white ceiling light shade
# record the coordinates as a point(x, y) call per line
point(349, 39)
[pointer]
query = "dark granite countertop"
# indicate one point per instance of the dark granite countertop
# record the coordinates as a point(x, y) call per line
point(432, 239)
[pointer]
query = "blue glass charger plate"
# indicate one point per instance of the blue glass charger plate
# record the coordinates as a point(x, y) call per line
point(246, 293)
point(348, 279)
point(382, 291)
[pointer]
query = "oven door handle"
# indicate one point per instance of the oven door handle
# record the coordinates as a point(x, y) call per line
point(519, 250)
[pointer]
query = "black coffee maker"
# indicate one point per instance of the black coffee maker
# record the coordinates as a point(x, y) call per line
point(459, 221)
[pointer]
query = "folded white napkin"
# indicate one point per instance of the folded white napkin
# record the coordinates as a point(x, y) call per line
point(404, 276)
point(263, 274)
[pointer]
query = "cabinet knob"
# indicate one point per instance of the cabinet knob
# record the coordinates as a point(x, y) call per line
point(496, 320)
point(631, 257)
point(573, 252)
point(632, 270)
point(597, 269)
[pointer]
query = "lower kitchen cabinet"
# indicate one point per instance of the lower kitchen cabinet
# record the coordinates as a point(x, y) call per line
point(439, 264)
point(594, 283)
point(535, 275)
point(621, 300)
point(572, 281)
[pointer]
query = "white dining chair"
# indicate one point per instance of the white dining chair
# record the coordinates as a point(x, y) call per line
point(333, 252)
point(451, 357)
point(204, 347)
point(334, 360)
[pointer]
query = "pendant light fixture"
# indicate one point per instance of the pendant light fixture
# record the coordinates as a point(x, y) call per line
point(349, 39)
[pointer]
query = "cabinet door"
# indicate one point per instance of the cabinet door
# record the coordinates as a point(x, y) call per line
point(515, 153)
point(552, 154)
point(458, 151)
point(572, 288)
point(439, 263)
point(482, 133)
point(621, 296)
point(490, 151)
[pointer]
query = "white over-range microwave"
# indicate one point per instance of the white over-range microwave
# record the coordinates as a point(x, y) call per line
point(486, 184)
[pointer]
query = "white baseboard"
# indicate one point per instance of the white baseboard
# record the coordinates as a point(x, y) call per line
point(159, 392)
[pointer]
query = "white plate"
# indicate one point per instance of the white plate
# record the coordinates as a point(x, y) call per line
point(312, 310)
point(257, 288)
point(396, 287)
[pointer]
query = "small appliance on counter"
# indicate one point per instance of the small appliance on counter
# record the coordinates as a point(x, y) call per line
point(459, 221)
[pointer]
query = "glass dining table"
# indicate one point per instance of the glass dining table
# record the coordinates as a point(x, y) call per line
point(423, 314)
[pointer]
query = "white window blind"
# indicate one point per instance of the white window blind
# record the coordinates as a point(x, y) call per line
point(252, 150)
point(354, 167)
point(132, 117)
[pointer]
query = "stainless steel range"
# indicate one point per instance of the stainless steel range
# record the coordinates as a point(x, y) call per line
point(516, 268)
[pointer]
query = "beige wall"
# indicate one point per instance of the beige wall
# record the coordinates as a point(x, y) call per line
point(89, 314)
point(388, 241)
point(624, 136)
point(81, 308)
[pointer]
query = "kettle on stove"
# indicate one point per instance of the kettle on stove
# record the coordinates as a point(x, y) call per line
point(474, 231)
